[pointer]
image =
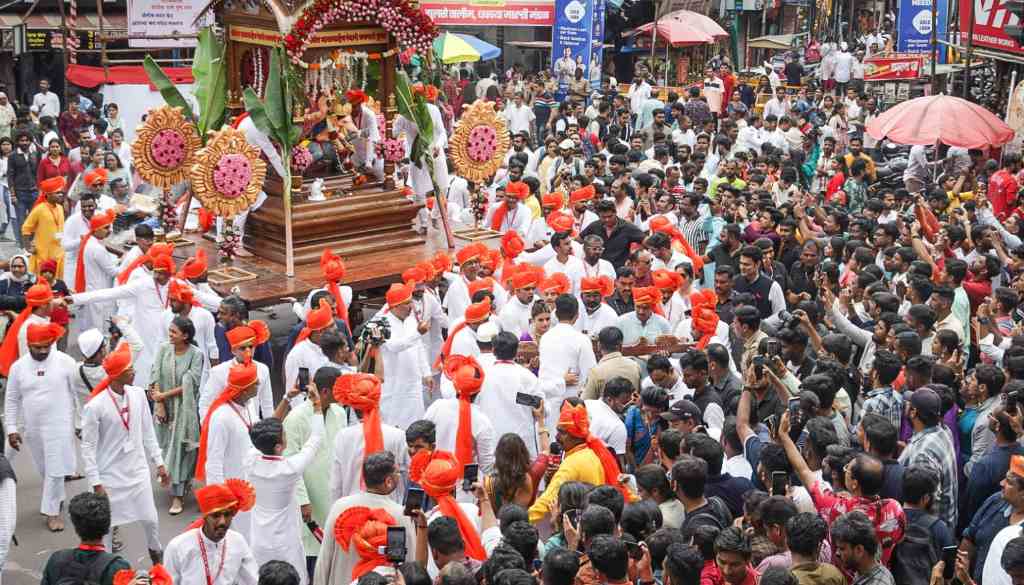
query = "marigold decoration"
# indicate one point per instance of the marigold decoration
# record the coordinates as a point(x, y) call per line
point(410, 25)
point(301, 159)
point(165, 147)
point(228, 173)
point(480, 142)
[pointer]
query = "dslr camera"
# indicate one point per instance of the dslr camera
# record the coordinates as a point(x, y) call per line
point(376, 332)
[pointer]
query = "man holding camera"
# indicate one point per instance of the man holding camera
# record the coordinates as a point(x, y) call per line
point(404, 358)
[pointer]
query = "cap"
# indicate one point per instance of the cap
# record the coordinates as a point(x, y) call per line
point(926, 400)
point(487, 332)
point(682, 409)
point(89, 342)
point(566, 144)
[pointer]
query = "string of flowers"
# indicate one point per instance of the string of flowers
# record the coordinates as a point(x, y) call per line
point(338, 59)
point(227, 247)
point(411, 26)
point(168, 213)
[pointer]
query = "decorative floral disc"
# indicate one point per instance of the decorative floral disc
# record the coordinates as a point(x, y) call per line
point(165, 147)
point(228, 173)
point(480, 142)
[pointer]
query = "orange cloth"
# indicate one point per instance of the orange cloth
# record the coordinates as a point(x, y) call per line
point(485, 283)
point(553, 200)
point(116, 363)
point(194, 267)
point(398, 294)
point(648, 295)
point(40, 333)
point(561, 221)
point(438, 473)
point(442, 262)
point(518, 188)
point(158, 249)
point(163, 263)
point(158, 575)
point(602, 284)
point(414, 275)
point(527, 275)
point(51, 185)
point(662, 224)
point(98, 222)
point(37, 295)
point(181, 292)
point(467, 376)
point(240, 378)
point(574, 421)
point(665, 279)
point(355, 97)
point(582, 194)
point(368, 530)
point(95, 178)
point(705, 318)
point(471, 252)
point(333, 270)
point(255, 331)
point(316, 319)
point(234, 494)
point(362, 392)
point(512, 244)
point(475, 313)
point(557, 282)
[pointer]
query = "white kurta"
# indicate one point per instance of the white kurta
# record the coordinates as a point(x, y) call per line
point(349, 451)
point(518, 219)
point(430, 309)
point(116, 458)
point(515, 316)
point(147, 301)
point(602, 268)
point(444, 414)
point(502, 382)
point(40, 393)
point(227, 445)
point(365, 144)
point(100, 271)
point(572, 268)
point(304, 354)
point(592, 323)
point(276, 523)
point(23, 332)
point(334, 564)
point(184, 561)
point(75, 227)
point(205, 338)
point(127, 258)
point(262, 406)
point(562, 349)
point(419, 177)
point(405, 366)
point(606, 425)
point(457, 298)
point(679, 308)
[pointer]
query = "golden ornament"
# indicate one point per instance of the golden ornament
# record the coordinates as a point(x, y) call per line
point(165, 147)
point(466, 150)
point(228, 173)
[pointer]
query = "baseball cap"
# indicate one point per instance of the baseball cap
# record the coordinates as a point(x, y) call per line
point(682, 410)
point(926, 401)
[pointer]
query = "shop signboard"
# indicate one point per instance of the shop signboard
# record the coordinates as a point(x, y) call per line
point(914, 26)
point(893, 67)
point(491, 12)
point(572, 42)
point(991, 18)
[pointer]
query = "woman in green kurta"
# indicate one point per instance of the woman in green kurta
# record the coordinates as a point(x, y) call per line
point(177, 371)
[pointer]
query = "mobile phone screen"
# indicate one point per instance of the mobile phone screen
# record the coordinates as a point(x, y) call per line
point(779, 483)
point(395, 548)
point(949, 559)
point(413, 500)
point(469, 476)
point(303, 379)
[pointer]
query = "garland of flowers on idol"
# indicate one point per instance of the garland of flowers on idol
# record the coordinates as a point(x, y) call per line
point(258, 73)
point(334, 73)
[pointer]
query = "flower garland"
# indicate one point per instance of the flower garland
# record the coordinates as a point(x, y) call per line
point(227, 247)
point(168, 213)
point(301, 158)
point(391, 149)
point(411, 26)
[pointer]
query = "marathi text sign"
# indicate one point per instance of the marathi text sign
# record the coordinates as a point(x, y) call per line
point(163, 18)
point(499, 13)
point(990, 21)
point(889, 68)
point(324, 38)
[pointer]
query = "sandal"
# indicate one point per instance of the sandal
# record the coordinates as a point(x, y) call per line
point(176, 507)
point(116, 544)
point(55, 523)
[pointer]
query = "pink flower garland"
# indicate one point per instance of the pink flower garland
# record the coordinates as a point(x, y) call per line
point(412, 28)
point(483, 141)
point(301, 158)
point(231, 175)
point(168, 148)
point(393, 150)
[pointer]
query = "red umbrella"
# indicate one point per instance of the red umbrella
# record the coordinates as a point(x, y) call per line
point(941, 119)
point(684, 27)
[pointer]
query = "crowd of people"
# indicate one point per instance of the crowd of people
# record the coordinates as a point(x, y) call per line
point(711, 347)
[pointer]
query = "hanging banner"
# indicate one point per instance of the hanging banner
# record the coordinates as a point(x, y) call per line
point(597, 46)
point(990, 21)
point(914, 26)
point(164, 18)
point(490, 12)
point(571, 42)
point(893, 67)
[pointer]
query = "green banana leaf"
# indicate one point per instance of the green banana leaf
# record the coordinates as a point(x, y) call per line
point(414, 108)
point(257, 111)
point(167, 89)
point(211, 84)
point(278, 107)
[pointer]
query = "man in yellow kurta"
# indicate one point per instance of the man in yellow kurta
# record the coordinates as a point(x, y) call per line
point(45, 223)
point(587, 459)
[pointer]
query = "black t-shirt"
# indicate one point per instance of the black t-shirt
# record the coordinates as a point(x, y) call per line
point(616, 245)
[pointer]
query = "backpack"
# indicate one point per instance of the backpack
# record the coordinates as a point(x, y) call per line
point(915, 555)
point(69, 571)
point(710, 518)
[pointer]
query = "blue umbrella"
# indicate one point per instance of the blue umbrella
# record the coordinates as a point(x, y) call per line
point(459, 48)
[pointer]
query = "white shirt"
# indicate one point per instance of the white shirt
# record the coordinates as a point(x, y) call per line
point(992, 572)
point(562, 349)
point(519, 117)
point(115, 457)
point(444, 413)
point(638, 94)
point(738, 466)
point(602, 268)
point(48, 104)
point(518, 219)
point(75, 227)
point(304, 354)
point(774, 107)
point(592, 323)
point(572, 268)
point(41, 395)
point(217, 381)
point(844, 67)
point(347, 467)
point(503, 380)
point(184, 561)
point(515, 316)
point(606, 425)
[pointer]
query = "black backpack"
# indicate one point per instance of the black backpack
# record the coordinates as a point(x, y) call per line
point(914, 557)
point(69, 571)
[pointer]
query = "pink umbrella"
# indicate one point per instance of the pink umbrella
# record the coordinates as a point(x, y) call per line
point(684, 28)
point(941, 119)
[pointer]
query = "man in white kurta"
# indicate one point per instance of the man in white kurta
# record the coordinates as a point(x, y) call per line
point(260, 407)
point(596, 314)
point(214, 553)
point(504, 380)
point(565, 354)
point(117, 441)
point(444, 413)
point(100, 269)
point(75, 228)
point(419, 176)
point(508, 212)
point(515, 315)
point(39, 392)
point(306, 352)
point(148, 299)
point(276, 521)
point(457, 298)
point(565, 262)
point(404, 357)
point(365, 144)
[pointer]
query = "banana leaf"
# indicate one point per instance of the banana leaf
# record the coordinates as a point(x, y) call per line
point(257, 111)
point(211, 85)
point(167, 89)
point(278, 107)
point(414, 109)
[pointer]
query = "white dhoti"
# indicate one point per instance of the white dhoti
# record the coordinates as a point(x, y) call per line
point(134, 504)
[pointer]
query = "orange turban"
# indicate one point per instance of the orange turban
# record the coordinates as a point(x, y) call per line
point(648, 295)
point(95, 178)
point(666, 279)
point(52, 185)
point(368, 530)
point(40, 333)
point(157, 249)
point(601, 284)
point(398, 294)
point(116, 363)
point(316, 319)
point(1017, 465)
point(49, 265)
point(470, 253)
point(355, 97)
point(664, 225)
point(501, 209)
point(557, 282)
point(194, 267)
point(333, 270)
point(414, 275)
point(582, 194)
point(512, 244)
point(438, 472)
point(163, 263)
point(442, 263)
point(467, 376)
point(704, 315)
point(37, 295)
point(486, 283)
point(561, 221)
point(240, 378)
point(98, 222)
point(475, 313)
point(234, 494)
point(255, 331)
point(574, 421)
point(181, 292)
point(518, 188)
point(553, 200)
point(527, 276)
point(362, 392)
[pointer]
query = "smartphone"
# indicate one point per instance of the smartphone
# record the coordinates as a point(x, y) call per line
point(794, 407)
point(949, 558)
point(415, 498)
point(771, 424)
point(556, 452)
point(524, 399)
point(573, 516)
point(469, 476)
point(780, 481)
point(633, 548)
point(303, 381)
point(1012, 400)
point(759, 362)
point(395, 549)
point(773, 348)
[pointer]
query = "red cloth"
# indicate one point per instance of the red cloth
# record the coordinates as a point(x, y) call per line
point(86, 76)
point(1002, 193)
point(833, 186)
point(887, 515)
point(47, 169)
point(69, 126)
point(362, 392)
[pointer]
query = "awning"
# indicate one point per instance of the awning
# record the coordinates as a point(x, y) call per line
point(779, 42)
point(87, 76)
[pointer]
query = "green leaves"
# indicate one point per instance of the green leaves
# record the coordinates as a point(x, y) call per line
point(273, 114)
point(167, 89)
point(414, 108)
point(211, 84)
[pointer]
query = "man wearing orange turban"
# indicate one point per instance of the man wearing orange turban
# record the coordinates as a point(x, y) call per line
point(646, 322)
point(462, 427)
point(552, 286)
point(596, 314)
point(426, 306)
point(565, 261)
point(439, 473)
point(76, 226)
point(515, 315)
point(38, 299)
point(404, 357)
point(565, 354)
point(244, 339)
point(365, 532)
point(95, 269)
point(665, 253)
point(184, 302)
point(365, 119)
point(212, 550)
point(458, 297)
point(118, 442)
point(45, 225)
point(512, 213)
point(333, 270)
point(306, 352)
point(586, 459)
point(194, 271)
point(39, 391)
point(462, 337)
point(579, 202)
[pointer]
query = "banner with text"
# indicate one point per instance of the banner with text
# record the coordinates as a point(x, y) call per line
point(990, 21)
point(890, 68)
point(164, 18)
point(491, 12)
point(914, 26)
point(571, 42)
